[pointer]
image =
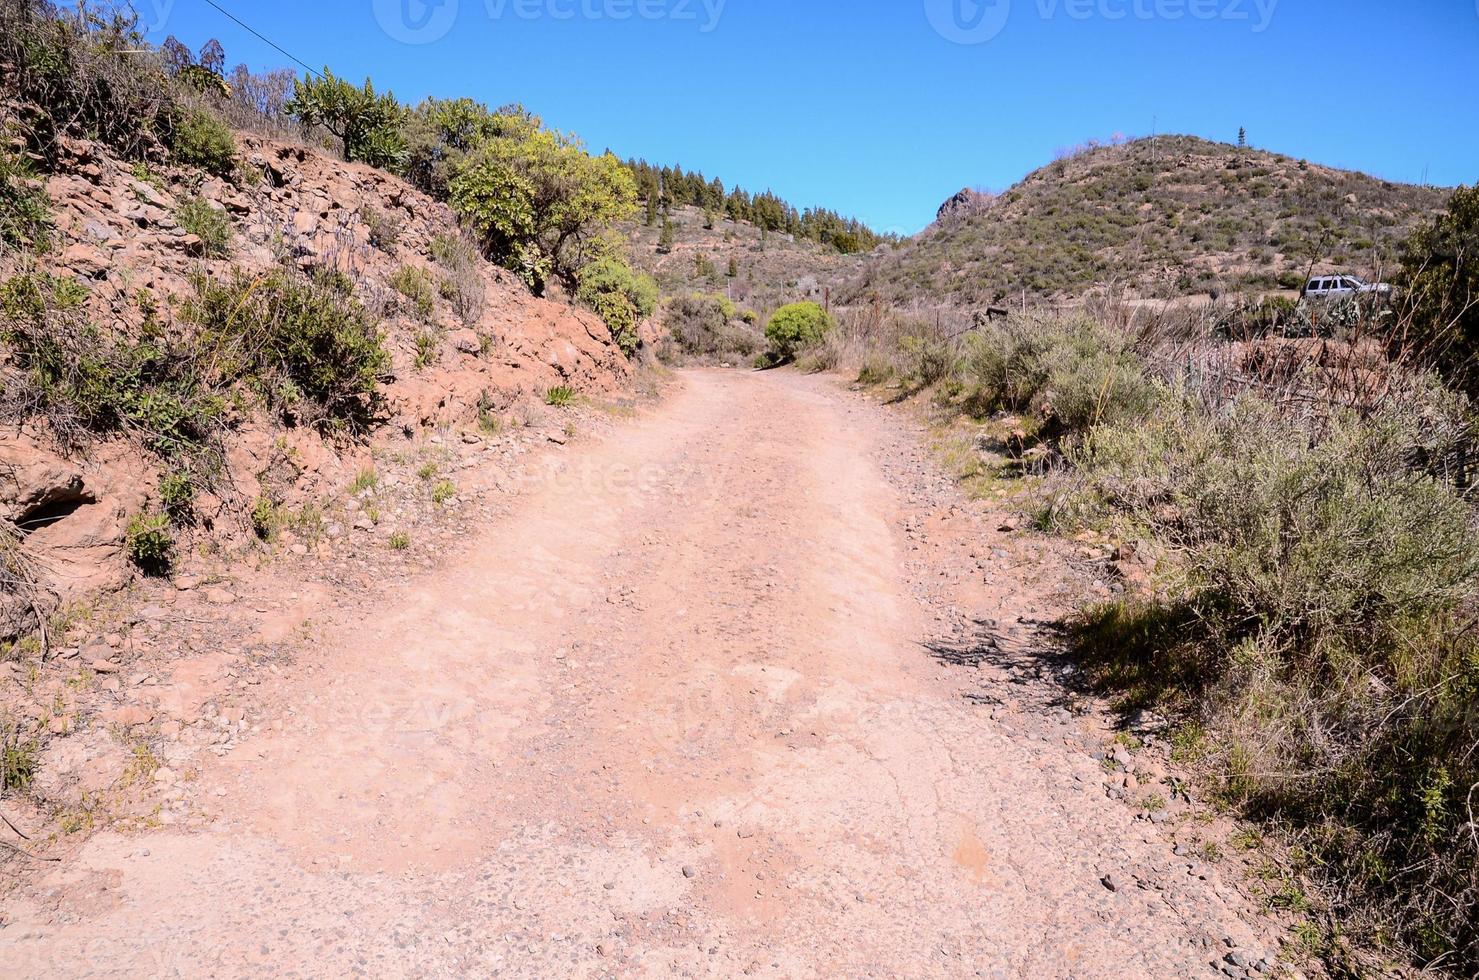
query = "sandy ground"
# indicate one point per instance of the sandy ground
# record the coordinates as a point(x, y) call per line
point(744, 688)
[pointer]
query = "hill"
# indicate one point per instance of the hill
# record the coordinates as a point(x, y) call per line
point(770, 268)
point(1166, 216)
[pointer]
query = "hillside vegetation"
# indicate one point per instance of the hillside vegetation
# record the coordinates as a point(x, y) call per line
point(1166, 216)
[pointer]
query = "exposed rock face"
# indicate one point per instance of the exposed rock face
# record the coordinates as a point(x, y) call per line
point(493, 343)
point(964, 204)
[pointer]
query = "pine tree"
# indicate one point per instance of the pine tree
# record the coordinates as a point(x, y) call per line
point(665, 242)
point(733, 267)
point(1242, 138)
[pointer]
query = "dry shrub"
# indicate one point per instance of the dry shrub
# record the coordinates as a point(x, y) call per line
point(1322, 629)
point(462, 284)
point(707, 327)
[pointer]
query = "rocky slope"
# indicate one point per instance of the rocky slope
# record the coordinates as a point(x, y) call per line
point(468, 339)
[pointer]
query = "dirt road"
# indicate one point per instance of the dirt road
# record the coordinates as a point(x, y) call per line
point(678, 714)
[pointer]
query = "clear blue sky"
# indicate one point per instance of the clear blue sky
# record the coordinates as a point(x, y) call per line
point(874, 108)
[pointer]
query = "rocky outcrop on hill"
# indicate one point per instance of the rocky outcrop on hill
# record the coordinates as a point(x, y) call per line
point(965, 204)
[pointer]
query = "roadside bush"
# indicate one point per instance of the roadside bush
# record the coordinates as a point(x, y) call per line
point(620, 296)
point(1440, 273)
point(384, 229)
point(306, 345)
point(210, 224)
point(1320, 628)
point(19, 756)
point(703, 326)
point(795, 328)
point(535, 199)
point(1071, 374)
point(202, 140)
point(25, 210)
point(177, 494)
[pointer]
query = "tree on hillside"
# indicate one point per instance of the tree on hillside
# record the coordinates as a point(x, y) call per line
point(440, 133)
point(535, 201)
point(666, 239)
point(1242, 138)
point(367, 123)
point(213, 57)
point(1440, 275)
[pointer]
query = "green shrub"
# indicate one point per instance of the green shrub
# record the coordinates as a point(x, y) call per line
point(426, 349)
point(560, 396)
point(413, 284)
point(619, 296)
point(18, 757)
point(444, 491)
point(84, 381)
point(266, 518)
point(875, 371)
point(796, 327)
point(303, 343)
point(25, 210)
point(177, 494)
point(532, 197)
point(702, 325)
point(384, 229)
point(400, 541)
point(149, 542)
point(210, 224)
point(928, 360)
point(201, 139)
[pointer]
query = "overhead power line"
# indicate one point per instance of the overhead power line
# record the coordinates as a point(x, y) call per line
point(264, 39)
